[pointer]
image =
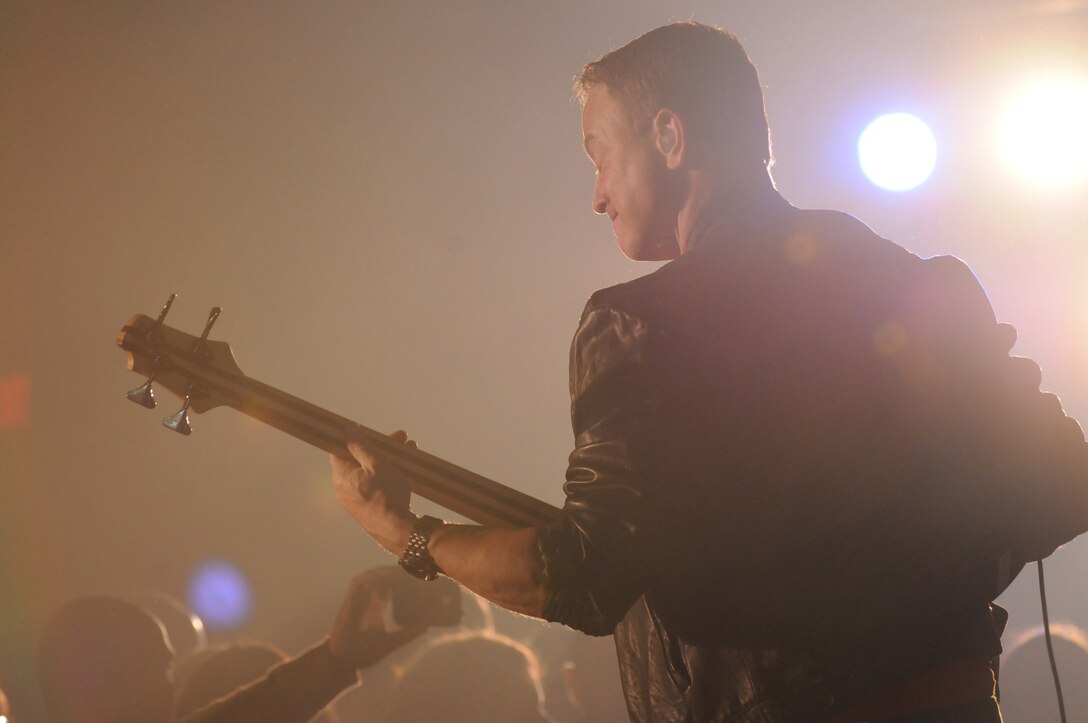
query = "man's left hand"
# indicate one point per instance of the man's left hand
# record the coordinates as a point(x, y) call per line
point(375, 492)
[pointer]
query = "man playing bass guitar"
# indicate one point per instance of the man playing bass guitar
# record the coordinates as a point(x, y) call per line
point(805, 463)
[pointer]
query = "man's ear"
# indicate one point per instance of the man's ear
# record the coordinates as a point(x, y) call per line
point(668, 131)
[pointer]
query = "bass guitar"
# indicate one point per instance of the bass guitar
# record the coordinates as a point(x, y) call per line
point(204, 374)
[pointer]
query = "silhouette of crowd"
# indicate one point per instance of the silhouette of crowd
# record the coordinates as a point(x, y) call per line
point(110, 660)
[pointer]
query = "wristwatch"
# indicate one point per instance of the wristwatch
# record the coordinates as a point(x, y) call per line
point(416, 559)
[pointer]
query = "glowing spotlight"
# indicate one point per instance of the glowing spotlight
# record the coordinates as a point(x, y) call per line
point(897, 152)
point(1044, 132)
point(219, 593)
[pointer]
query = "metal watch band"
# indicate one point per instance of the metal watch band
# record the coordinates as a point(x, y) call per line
point(416, 560)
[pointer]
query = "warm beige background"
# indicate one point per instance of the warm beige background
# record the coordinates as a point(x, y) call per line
point(390, 202)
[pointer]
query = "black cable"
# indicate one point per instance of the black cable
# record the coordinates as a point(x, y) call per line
point(1050, 645)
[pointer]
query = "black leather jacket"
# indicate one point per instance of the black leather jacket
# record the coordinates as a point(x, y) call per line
point(800, 470)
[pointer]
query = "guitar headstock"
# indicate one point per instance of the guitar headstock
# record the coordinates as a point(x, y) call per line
point(203, 373)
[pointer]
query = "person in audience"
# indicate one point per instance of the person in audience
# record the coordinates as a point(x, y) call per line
point(183, 626)
point(216, 672)
point(104, 660)
point(1026, 681)
point(469, 678)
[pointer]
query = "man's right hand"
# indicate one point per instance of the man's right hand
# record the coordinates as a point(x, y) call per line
point(358, 637)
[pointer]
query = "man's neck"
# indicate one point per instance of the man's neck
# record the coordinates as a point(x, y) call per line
point(709, 191)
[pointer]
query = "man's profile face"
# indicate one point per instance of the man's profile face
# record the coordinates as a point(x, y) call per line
point(632, 180)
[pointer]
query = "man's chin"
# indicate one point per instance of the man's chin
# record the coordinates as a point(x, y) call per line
point(654, 252)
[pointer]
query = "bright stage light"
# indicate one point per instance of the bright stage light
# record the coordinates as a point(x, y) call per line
point(1044, 132)
point(897, 152)
point(219, 593)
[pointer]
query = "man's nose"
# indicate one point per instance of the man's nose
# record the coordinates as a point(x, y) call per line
point(600, 201)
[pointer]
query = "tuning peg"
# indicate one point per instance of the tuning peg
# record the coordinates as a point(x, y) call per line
point(165, 309)
point(212, 316)
point(144, 395)
point(179, 422)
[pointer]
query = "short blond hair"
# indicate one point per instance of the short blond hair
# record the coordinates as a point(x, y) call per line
point(700, 71)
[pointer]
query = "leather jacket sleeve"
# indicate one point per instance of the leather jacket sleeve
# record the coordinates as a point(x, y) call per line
point(1036, 455)
point(590, 558)
point(1009, 468)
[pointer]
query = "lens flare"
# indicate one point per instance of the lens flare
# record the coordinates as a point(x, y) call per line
point(897, 152)
point(220, 595)
point(1043, 132)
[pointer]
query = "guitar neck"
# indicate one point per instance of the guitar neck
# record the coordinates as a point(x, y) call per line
point(182, 363)
point(457, 489)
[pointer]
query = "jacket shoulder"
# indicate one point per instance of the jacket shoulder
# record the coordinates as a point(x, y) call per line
point(611, 341)
point(635, 297)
